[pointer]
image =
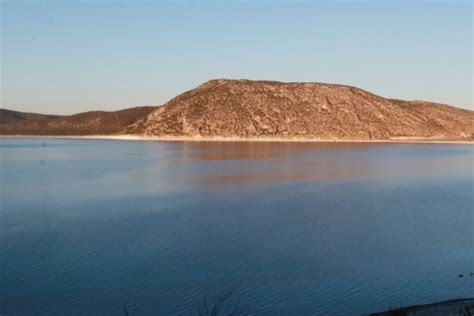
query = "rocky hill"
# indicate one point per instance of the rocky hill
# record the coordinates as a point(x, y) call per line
point(243, 108)
point(87, 123)
point(266, 109)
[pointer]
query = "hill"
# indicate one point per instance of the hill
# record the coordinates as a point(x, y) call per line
point(87, 123)
point(244, 108)
point(263, 109)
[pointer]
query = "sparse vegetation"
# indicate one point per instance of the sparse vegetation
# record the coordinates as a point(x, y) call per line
point(217, 308)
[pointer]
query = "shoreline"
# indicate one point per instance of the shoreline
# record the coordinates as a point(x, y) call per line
point(129, 137)
point(462, 306)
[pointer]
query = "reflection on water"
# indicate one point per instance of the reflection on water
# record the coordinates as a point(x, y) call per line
point(296, 161)
point(304, 228)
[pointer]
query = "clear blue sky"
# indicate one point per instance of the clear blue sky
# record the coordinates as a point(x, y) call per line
point(66, 57)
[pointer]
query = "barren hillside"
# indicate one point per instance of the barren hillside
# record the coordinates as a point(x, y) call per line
point(87, 123)
point(243, 108)
point(252, 109)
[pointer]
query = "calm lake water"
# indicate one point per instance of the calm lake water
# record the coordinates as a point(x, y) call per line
point(90, 226)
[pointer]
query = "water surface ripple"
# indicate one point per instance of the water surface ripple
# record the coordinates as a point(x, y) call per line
point(90, 226)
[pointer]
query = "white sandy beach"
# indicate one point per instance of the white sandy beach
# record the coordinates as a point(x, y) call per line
point(254, 139)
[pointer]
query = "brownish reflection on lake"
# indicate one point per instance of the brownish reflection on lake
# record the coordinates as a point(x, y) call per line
point(240, 163)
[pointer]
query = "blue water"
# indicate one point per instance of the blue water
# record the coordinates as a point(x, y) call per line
point(88, 227)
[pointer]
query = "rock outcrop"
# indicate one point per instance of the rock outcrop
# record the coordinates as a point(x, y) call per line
point(248, 109)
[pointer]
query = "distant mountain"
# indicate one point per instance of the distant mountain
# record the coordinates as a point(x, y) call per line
point(244, 108)
point(87, 123)
point(9, 116)
point(264, 109)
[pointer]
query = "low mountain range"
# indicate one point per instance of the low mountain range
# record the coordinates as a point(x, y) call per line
point(262, 109)
point(87, 123)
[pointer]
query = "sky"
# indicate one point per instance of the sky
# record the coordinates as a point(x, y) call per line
point(64, 57)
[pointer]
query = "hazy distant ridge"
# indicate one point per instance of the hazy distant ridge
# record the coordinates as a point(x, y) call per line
point(9, 116)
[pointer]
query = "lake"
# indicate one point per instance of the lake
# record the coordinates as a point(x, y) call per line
point(102, 227)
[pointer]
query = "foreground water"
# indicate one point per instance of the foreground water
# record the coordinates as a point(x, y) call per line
point(88, 227)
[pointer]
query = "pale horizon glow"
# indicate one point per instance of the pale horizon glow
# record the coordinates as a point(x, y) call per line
point(69, 57)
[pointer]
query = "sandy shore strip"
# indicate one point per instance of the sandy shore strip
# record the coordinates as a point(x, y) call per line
point(242, 139)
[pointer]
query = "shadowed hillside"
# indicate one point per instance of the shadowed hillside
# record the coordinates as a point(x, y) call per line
point(87, 123)
point(9, 116)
